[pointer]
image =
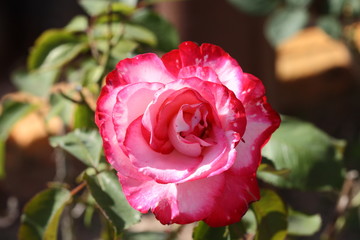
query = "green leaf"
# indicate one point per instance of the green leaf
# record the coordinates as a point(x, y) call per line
point(96, 7)
point(107, 192)
point(118, 31)
point(36, 82)
point(167, 36)
point(41, 215)
point(298, 3)
point(301, 224)
point(353, 6)
point(284, 23)
point(268, 166)
point(336, 6)
point(271, 216)
point(84, 117)
point(2, 159)
point(139, 34)
point(47, 42)
point(330, 25)
point(12, 112)
point(123, 49)
point(204, 232)
point(309, 154)
point(84, 145)
point(61, 107)
point(63, 54)
point(77, 24)
point(145, 236)
point(257, 7)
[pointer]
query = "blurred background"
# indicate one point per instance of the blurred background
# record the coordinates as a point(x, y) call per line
point(310, 75)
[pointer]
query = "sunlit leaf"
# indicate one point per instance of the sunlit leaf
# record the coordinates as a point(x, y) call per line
point(271, 216)
point(47, 42)
point(84, 145)
point(259, 7)
point(77, 24)
point(36, 82)
point(40, 219)
point(140, 34)
point(107, 192)
point(284, 23)
point(96, 7)
point(166, 34)
point(309, 154)
point(123, 49)
point(301, 224)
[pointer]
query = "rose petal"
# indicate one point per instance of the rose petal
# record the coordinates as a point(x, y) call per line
point(164, 168)
point(131, 103)
point(174, 203)
point(239, 191)
point(262, 121)
point(209, 56)
point(144, 68)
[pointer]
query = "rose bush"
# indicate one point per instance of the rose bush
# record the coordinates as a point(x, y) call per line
point(185, 133)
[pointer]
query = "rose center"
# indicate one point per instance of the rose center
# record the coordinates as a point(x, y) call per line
point(190, 129)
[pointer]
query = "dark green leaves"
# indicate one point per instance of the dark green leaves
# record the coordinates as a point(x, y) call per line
point(284, 23)
point(53, 49)
point(41, 215)
point(257, 7)
point(271, 216)
point(84, 145)
point(204, 232)
point(166, 34)
point(107, 192)
point(331, 25)
point(309, 154)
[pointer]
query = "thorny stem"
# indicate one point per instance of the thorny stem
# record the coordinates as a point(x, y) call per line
point(342, 204)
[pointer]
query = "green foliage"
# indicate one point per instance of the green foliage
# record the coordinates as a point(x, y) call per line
point(145, 236)
point(271, 216)
point(309, 154)
point(107, 192)
point(301, 224)
point(12, 112)
point(40, 219)
point(37, 83)
point(167, 36)
point(97, 7)
point(84, 145)
point(257, 7)
point(284, 23)
point(330, 25)
point(54, 48)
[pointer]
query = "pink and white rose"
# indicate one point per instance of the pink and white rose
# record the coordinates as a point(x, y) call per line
point(185, 132)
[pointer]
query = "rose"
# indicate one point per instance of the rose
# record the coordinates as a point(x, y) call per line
point(185, 132)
